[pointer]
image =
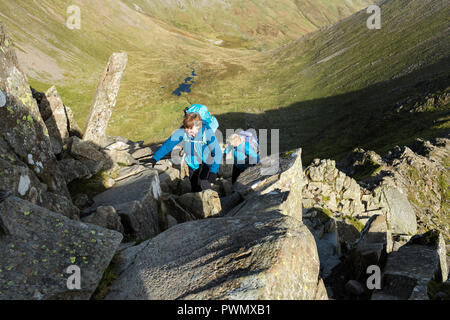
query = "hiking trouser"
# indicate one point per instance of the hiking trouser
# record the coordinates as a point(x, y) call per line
point(236, 173)
point(199, 178)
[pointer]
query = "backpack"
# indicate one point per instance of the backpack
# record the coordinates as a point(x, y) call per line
point(204, 114)
point(251, 139)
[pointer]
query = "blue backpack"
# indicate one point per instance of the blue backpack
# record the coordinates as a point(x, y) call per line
point(204, 114)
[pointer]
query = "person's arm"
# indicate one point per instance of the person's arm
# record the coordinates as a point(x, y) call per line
point(254, 157)
point(170, 143)
point(215, 151)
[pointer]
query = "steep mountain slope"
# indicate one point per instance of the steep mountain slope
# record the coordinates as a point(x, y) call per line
point(339, 88)
point(161, 51)
point(248, 24)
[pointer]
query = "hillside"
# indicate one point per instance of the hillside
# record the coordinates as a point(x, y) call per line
point(328, 91)
point(255, 25)
point(161, 52)
point(342, 87)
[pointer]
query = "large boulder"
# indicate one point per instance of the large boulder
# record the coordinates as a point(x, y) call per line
point(136, 201)
point(276, 181)
point(329, 188)
point(254, 256)
point(37, 246)
point(409, 270)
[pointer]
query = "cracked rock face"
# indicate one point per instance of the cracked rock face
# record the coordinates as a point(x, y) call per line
point(21, 125)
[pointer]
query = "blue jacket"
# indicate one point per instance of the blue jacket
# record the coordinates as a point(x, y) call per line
point(203, 148)
point(241, 152)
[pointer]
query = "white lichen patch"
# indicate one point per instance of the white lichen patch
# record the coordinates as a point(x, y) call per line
point(30, 159)
point(24, 185)
point(2, 99)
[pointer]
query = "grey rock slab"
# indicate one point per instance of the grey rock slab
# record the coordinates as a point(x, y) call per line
point(401, 217)
point(37, 246)
point(267, 256)
point(135, 200)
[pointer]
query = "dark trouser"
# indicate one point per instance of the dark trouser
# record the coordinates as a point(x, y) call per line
point(199, 178)
point(236, 172)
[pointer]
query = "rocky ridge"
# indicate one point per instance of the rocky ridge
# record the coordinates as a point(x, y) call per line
point(289, 233)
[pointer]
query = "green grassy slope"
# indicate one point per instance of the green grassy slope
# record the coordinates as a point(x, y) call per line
point(248, 24)
point(328, 91)
point(336, 89)
point(161, 52)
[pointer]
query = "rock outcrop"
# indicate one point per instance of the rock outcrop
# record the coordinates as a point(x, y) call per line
point(105, 99)
point(29, 167)
point(275, 182)
point(420, 172)
point(135, 199)
point(37, 246)
point(260, 250)
point(410, 269)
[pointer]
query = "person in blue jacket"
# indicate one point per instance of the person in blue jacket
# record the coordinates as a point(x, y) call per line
point(244, 153)
point(203, 153)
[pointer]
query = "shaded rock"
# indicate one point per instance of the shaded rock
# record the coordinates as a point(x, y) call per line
point(230, 202)
point(73, 169)
point(170, 174)
point(202, 205)
point(43, 104)
point(266, 256)
point(105, 217)
point(126, 172)
point(171, 208)
point(225, 171)
point(86, 150)
point(90, 155)
point(325, 233)
point(409, 270)
point(82, 201)
point(354, 287)
point(347, 234)
point(401, 217)
point(135, 200)
point(59, 204)
point(37, 246)
point(57, 123)
point(74, 129)
point(4, 195)
point(371, 248)
point(105, 99)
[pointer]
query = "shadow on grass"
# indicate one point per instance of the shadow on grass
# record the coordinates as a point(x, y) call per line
point(332, 127)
